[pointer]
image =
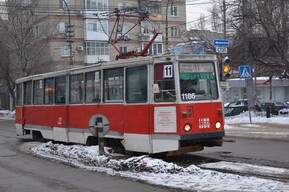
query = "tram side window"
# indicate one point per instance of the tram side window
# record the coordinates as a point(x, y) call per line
point(28, 93)
point(113, 85)
point(92, 87)
point(38, 92)
point(76, 88)
point(164, 77)
point(48, 91)
point(60, 90)
point(19, 101)
point(136, 85)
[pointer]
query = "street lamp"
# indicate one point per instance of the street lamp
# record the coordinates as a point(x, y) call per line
point(69, 30)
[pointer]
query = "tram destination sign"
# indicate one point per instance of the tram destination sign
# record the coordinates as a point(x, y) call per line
point(221, 42)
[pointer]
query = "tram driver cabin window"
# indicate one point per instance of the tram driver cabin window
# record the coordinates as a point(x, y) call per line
point(164, 77)
point(198, 81)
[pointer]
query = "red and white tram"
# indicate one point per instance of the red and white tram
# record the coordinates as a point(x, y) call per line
point(168, 103)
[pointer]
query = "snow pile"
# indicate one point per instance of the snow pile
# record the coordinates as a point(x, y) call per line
point(156, 171)
point(89, 156)
point(7, 115)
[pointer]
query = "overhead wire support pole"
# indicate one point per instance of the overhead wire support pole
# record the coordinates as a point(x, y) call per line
point(248, 82)
point(69, 29)
point(167, 33)
point(225, 22)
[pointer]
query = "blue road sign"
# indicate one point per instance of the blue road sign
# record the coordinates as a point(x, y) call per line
point(245, 72)
point(221, 42)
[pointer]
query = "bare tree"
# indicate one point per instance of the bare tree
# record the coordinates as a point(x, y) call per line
point(267, 36)
point(24, 39)
point(5, 70)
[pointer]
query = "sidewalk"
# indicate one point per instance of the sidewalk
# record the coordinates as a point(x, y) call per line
point(274, 128)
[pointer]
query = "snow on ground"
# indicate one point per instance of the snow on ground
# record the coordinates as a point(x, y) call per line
point(158, 172)
point(7, 115)
point(257, 118)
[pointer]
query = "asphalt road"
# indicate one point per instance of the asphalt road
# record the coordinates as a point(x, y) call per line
point(21, 172)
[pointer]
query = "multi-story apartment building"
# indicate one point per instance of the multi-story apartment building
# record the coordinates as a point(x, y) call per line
point(82, 28)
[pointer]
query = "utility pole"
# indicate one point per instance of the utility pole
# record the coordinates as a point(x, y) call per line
point(224, 17)
point(247, 60)
point(69, 30)
point(167, 32)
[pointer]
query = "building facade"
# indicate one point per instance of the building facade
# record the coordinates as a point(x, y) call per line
point(276, 90)
point(84, 32)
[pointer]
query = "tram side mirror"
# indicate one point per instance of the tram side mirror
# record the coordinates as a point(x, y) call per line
point(156, 88)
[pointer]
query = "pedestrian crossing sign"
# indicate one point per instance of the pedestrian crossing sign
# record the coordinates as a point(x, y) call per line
point(245, 72)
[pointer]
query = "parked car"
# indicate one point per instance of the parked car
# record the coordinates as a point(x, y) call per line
point(236, 108)
point(274, 107)
point(285, 111)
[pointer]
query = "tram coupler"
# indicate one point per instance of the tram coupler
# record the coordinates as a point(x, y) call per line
point(99, 130)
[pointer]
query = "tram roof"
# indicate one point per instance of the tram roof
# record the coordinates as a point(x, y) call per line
point(120, 63)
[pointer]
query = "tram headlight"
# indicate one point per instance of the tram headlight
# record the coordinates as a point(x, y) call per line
point(218, 125)
point(187, 127)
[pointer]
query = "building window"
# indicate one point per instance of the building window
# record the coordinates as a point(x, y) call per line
point(174, 11)
point(96, 48)
point(62, 4)
point(174, 32)
point(123, 49)
point(36, 31)
point(152, 7)
point(64, 51)
point(62, 27)
point(121, 5)
point(99, 5)
point(60, 83)
point(113, 85)
point(76, 88)
point(155, 49)
point(25, 2)
point(38, 92)
point(92, 87)
point(97, 25)
point(149, 27)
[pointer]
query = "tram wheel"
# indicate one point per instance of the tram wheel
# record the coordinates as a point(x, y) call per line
point(37, 136)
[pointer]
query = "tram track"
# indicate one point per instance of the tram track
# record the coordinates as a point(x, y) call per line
point(187, 160)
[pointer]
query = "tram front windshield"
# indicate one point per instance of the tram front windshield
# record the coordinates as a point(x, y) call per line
point(198, 81)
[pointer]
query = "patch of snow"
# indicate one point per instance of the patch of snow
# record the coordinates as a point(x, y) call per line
point(7, 115)
point(248, 168)
point(244, 119)
point(158, 172)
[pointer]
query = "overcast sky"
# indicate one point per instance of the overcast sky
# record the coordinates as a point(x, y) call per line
point(196, 8)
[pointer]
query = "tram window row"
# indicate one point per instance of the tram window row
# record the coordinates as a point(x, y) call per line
point(87, 87)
